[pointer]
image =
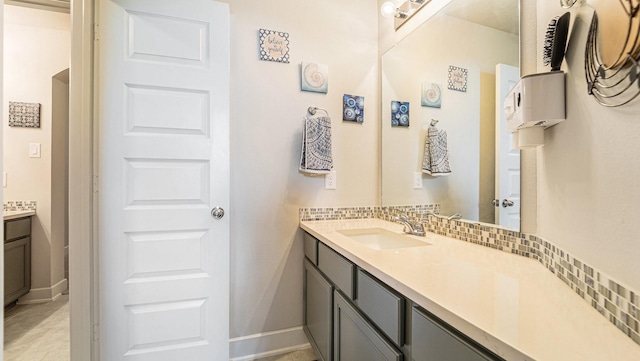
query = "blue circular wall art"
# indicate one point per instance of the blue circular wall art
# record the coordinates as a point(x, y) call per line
point(399, 113)
point(353, 108)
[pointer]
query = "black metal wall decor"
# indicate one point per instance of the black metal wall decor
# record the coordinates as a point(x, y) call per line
point(614, 81)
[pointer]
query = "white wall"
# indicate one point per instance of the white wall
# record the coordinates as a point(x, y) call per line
point(588, 170)
point(36, 48)
point(267, 108)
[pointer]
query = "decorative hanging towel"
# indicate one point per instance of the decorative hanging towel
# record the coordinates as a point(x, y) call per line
point(316, 145)
point(436, 155)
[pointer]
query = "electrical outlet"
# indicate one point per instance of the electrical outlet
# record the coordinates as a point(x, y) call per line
point(330, 180)
point(417, 180)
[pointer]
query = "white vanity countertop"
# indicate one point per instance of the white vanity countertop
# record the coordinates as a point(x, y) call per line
point(7, 215)
point(512, 305)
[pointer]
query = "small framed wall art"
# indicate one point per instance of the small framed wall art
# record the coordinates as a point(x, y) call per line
point(399, 114)
point(431, 95)
point(353, 108)
point(314, 77)
point(457, 78)
point(274, 46)
point(26, 115)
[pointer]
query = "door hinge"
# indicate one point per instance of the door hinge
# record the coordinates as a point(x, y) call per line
point(95, 183)
point(96, 332)
point(96, 32)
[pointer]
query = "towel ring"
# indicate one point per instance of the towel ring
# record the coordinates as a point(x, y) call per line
point(434, 122)
point(312, 110)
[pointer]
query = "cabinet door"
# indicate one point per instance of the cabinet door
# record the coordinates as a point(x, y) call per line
point(318, 311)
point(355, 339)
point(432, 340)
point(17, 269)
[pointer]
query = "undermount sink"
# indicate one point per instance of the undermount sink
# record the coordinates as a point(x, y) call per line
point(380, 238)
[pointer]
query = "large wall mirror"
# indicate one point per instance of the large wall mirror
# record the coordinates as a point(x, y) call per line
point(480, 39)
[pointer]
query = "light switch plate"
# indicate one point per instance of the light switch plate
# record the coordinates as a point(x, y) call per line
point(34, 150)
point(330, 180)
point(417, 180)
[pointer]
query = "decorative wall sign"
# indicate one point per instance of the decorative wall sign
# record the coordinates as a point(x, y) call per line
point(314, 77)
point(399, 114)
point(458, 78)
point(431, 95)
point(24, 115)
point(274, 46)
point(353, 108)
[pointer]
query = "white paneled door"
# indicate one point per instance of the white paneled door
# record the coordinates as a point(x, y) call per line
point(507, 159)
point(163, 113)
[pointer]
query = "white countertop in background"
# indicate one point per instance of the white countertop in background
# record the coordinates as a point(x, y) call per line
point(512, 305)
point(7, 215)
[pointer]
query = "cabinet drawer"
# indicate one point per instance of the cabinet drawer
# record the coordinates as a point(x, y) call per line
point(384, 306)
point(434, 340)
point(337, 268)
point(17, 228)
point(311, 248)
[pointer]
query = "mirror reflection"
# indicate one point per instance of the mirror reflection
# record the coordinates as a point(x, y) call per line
point(455, 68)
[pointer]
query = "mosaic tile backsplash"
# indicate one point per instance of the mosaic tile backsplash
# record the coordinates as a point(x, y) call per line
point(618, 303)
point(19, 206)
point(328, 214)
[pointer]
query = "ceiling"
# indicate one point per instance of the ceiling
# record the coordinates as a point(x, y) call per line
point(498, 14)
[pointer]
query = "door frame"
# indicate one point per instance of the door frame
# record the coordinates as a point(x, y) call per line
point(83, 277)
point(83, 221)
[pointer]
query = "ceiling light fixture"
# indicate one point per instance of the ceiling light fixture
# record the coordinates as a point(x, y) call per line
point(388, 9)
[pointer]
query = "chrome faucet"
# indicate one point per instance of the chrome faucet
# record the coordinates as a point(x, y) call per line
point(410, 228)
point(431, 213)
point(455, 216)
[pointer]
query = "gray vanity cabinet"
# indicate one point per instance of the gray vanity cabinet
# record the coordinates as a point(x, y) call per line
point(433, 340)
point(350, 315)
point(355, 338)
point(17, 258)
point(318, 311)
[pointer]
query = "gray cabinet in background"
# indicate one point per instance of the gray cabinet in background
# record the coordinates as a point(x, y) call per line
point(17, 259)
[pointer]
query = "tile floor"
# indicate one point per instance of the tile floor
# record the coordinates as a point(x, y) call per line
point(301, 355)
point(41, 333)
point(37, 332)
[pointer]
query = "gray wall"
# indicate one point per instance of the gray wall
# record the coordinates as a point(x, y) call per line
point(588, 192)
point(267, 108)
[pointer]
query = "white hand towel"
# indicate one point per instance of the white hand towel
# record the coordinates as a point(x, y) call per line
point(436, 154)
point(316, 146)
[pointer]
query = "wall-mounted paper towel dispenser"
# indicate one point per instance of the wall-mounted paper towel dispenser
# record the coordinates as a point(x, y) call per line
point(537, 100)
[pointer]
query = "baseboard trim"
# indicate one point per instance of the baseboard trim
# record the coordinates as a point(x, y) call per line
point(267, 344)
point(43, 295)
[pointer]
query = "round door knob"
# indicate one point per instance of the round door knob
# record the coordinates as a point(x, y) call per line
point(507, 203)
point(217, 213)
point(495, 203)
